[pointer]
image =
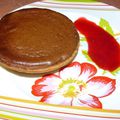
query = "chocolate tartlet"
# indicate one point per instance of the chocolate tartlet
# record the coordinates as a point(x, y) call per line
point(37, 40)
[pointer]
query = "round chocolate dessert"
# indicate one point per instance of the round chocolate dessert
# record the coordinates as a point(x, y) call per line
point(37, 40)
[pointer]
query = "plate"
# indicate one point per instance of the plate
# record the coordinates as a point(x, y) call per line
point(99, 90)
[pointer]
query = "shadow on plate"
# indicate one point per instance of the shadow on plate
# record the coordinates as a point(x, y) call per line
point(28, 74)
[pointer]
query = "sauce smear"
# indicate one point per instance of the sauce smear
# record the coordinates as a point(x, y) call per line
point(103, 49)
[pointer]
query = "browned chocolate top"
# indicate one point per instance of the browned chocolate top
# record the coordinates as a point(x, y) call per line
point(36, 38)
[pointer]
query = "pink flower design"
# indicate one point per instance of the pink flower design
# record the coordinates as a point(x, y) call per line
point(76, 85)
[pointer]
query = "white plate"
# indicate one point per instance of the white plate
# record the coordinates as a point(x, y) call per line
point(16, 99)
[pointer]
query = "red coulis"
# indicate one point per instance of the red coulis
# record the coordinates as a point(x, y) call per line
point(103, 49)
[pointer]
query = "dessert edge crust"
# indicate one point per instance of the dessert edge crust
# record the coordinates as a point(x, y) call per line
point(43, 70)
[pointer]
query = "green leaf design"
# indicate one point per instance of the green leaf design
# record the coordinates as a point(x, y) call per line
point(85, 53)
point(83, 39)
point(115, 72)
point(77, 0)
point(104, 72)
point(105, 25)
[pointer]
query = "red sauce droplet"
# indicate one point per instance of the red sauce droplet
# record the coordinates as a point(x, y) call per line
point(103, 49)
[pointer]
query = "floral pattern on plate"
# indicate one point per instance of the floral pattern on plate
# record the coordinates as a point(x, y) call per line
point(75, 85)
